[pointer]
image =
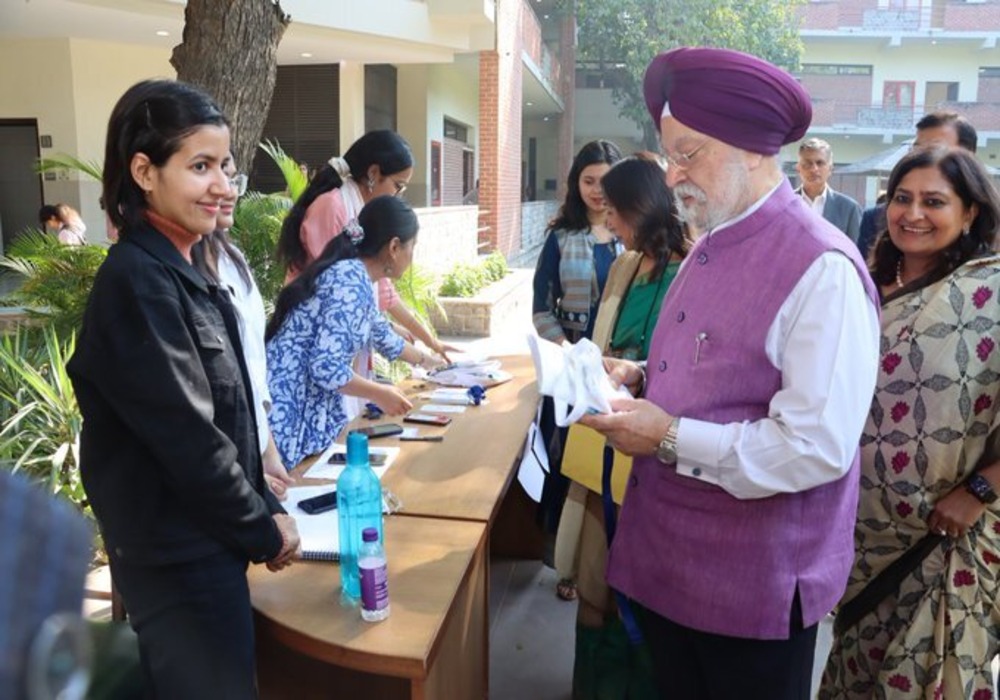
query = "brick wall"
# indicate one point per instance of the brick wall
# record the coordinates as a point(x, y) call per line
point(500, 98)
point(989, 89)
point(960, 17)
point(836, 98)
point(567, 90)
point(985, 116)
point(818, 15)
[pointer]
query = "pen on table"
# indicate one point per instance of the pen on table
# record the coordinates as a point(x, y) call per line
point(422, 438)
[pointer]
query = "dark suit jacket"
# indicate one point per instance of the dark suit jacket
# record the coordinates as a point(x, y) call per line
point(872, 224)
point(841, 211)
point(169, 454)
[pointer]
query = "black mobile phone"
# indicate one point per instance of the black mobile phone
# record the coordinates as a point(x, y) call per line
point(376, 459)
point(319, 504)
point(427, 418)
point(383, 430)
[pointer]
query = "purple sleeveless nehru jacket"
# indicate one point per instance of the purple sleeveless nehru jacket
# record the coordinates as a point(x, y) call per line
point(687, 549)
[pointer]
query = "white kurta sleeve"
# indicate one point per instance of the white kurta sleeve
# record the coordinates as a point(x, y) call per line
point(825, 342)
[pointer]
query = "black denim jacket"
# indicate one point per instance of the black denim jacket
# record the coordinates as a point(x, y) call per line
point(169, 454)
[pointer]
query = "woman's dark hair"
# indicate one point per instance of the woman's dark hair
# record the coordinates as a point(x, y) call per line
point(384, 218)
point(205, 257)
point(971, 183)
point(637, 188)
point(386, 149)
point(572, 215)
point(152, 117)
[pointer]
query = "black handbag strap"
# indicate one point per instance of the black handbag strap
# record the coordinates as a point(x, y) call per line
point(885, 583)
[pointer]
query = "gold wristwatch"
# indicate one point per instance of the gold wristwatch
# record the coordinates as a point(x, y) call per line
point(667, 450)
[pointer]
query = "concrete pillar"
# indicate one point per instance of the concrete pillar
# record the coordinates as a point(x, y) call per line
point(352, 103)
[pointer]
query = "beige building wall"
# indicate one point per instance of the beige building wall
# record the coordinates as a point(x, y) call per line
point(70, 87)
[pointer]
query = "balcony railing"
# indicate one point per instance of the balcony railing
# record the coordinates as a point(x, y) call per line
point(852, 114)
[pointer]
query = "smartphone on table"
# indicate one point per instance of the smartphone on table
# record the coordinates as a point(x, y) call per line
point(383, 430)
point(376, 459)
point(427, 418)
point(319, 504)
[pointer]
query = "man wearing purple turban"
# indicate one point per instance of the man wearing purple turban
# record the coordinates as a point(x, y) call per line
point(736, 533)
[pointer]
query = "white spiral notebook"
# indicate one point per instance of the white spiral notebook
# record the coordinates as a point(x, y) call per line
point(319, 533)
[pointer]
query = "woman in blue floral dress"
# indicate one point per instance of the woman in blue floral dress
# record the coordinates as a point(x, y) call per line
point(327, 316)
point(920, 616)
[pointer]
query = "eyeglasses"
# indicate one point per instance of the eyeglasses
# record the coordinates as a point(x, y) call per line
point(238, 183)
point(400, 187)
point(682, 161)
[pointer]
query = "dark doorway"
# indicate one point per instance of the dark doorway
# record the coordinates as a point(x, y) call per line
point(20, 185)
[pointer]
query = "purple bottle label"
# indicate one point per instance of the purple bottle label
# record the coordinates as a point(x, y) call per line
point(374, 585)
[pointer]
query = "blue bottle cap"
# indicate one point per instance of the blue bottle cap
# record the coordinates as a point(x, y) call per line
point(357, 448)
point(369, 534)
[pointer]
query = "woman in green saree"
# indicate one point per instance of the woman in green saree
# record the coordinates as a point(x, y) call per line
point(641, 213)
point(920, 616)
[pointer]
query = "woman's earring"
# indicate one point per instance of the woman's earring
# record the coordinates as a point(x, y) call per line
point(965, 231)
point(387, 268)
point(371, 185)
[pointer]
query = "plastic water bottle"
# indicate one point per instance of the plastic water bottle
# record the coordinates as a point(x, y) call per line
point(374, 585)
point(359, 506)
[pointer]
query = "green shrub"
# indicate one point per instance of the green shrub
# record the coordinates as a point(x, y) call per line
point(463, 281)
point(40, 433)
point(56, 278)
point(495, 265)
point(256, 228)
point(466, 280)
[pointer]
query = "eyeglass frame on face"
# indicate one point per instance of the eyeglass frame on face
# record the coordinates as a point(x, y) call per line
point(682, 161)
point(238, 183)
point(400, 187)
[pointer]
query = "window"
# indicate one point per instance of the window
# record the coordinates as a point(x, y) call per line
point(938, 92)
point(898, 94)
point(454, 130)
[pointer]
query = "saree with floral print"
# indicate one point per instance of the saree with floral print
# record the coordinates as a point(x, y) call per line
point(933, 422)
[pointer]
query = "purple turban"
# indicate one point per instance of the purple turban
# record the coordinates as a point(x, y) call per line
point(732, 96)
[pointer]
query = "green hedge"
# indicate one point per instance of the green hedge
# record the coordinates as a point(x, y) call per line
point(466, 280)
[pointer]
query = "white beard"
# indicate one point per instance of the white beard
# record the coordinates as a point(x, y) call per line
point(732, 196)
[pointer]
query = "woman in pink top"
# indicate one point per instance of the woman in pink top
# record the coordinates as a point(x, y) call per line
point(378, 163)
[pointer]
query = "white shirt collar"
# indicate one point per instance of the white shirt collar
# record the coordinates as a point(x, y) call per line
point(818, 203)
point(750, 210)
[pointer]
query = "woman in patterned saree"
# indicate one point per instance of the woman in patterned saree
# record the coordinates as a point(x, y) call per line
point(919, 619)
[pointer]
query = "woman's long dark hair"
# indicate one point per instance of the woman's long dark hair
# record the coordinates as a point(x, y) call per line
point(971, 182)
point(386, 149)
point(572, 215)
point(637, 188)
point(205, 257)
point(152, 117)
point(383, 219)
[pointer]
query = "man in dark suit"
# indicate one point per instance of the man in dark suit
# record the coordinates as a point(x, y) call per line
point(815, 167)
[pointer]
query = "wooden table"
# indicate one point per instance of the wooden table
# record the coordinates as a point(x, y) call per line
point(432, 645)
point(467, 475)
point(435, 643)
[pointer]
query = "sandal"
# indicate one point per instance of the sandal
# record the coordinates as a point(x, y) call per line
point(566, 589)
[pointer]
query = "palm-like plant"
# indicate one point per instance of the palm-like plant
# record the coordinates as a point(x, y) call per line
point(61, 161)
point(57, 277)
point(418, 288)
point(256, 228)
point(295, 180)
point(40, 433)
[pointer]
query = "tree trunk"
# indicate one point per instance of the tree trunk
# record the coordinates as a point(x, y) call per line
point(230, 50)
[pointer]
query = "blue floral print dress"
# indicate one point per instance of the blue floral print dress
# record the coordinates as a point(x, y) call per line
point(311, 358)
